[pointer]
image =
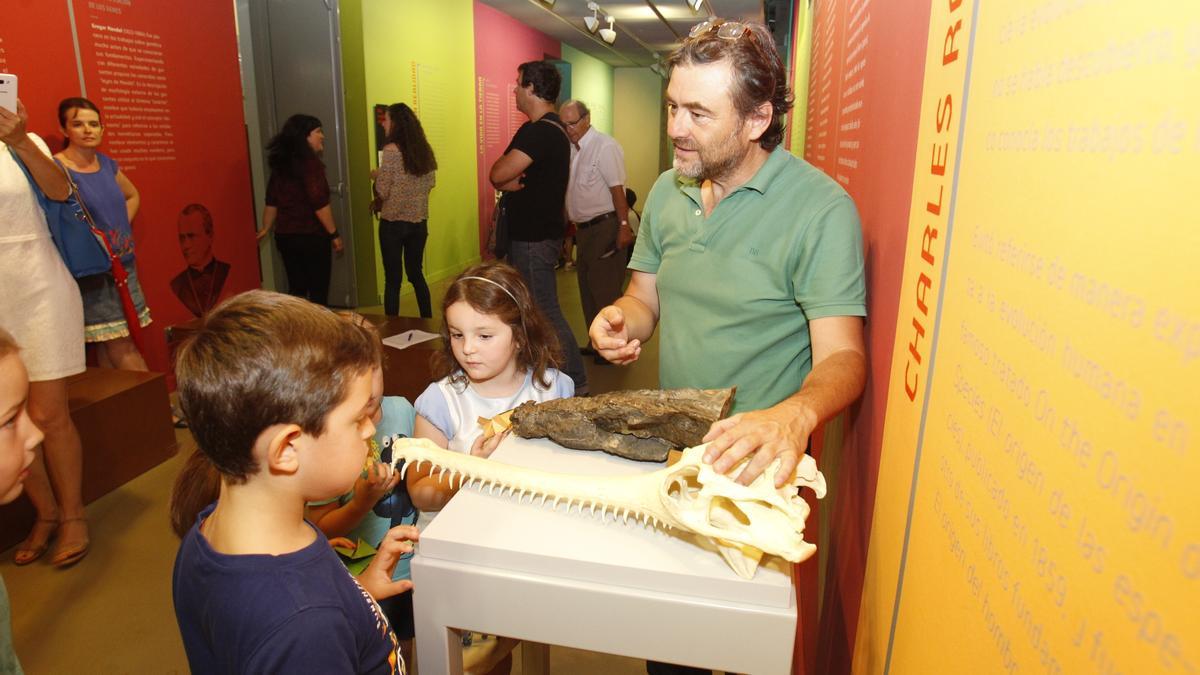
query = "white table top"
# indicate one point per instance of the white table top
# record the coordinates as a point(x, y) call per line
point(493, 531)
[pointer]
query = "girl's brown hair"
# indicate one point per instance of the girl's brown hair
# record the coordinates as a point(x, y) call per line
point(505, 296)
point(409, 137)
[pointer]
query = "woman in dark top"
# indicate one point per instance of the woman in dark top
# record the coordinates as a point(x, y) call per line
point(298, 208)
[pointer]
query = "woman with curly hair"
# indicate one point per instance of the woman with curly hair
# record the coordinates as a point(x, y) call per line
point(407, 172)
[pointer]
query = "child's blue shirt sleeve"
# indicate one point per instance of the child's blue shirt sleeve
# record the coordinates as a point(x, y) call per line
point(399, 416)
point(431, 405)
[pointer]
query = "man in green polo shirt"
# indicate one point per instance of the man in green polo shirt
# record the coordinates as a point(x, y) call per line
point(748, 258)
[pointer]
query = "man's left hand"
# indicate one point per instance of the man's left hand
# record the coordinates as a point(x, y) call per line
point(779, 432)
point(624, 237)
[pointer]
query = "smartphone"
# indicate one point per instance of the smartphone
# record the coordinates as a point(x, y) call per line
point(8, 92)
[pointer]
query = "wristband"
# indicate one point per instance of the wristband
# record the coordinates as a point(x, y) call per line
point(335, 235)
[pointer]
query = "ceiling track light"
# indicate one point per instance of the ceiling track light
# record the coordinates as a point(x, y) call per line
point(608, 34)
point(695, 4)
point(592, 22)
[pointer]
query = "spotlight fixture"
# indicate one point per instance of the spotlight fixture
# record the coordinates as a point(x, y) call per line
point(609, 35)
point(695, 4)
point(657, 69)
point(549, 2)
point(592, 22)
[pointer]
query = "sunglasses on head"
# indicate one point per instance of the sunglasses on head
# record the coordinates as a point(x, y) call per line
point(726, 30)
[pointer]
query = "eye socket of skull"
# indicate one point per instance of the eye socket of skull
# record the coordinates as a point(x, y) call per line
point(684, 485)
point(726, 513)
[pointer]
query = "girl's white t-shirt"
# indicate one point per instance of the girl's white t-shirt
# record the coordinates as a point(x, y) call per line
point(455, 409)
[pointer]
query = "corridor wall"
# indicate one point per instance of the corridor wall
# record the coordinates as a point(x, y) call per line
point(501, 44)
point(173, 121)
point(638, 125)
point(1013, 492)
point(422, 54)
point(592, 83)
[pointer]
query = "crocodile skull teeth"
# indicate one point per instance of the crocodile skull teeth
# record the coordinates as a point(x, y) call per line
point(742, 521)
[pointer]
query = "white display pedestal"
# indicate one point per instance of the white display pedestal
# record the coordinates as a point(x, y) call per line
point(489, 564)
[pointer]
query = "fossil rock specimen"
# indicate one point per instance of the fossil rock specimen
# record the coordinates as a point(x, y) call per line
point(642, 424)
point(743, 521)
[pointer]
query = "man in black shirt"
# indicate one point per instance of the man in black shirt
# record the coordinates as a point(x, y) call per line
point(534, 171)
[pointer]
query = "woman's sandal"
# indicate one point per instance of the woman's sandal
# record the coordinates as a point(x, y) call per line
point(69, 556)
point(27, 553)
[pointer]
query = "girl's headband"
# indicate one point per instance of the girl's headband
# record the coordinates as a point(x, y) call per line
point(501, 287)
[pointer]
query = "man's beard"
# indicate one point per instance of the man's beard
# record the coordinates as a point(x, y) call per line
point(713, 161)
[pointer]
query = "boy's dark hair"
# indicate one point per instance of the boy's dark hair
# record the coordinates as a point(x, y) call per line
point(537, 343)
point(544, 77)
point(260, 359)
point(199, 483)
point(758, 74)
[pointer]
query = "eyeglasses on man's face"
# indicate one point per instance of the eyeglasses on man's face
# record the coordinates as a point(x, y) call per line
point(577, 121)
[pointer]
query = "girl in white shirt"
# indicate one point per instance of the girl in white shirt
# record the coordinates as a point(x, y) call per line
point(500, 352)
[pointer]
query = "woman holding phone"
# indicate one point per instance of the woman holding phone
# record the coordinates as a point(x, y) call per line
point(113, 202)
point(406, 174)
point(298, 208)
point(42, 308)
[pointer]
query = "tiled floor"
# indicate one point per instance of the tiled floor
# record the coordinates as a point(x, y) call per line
point(112, 613)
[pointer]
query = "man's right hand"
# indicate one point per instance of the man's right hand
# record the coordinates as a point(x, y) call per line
point(610, 337)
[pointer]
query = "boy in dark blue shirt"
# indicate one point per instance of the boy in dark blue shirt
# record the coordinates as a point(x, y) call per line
point(278, 394)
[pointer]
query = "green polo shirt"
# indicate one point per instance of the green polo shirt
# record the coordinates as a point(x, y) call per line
point(737, 289)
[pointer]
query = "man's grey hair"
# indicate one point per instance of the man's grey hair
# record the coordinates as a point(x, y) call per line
point(583, 109)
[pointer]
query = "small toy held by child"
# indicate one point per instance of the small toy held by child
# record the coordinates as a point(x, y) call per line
point(18, 439)
point(278, 395)
point(499, 352)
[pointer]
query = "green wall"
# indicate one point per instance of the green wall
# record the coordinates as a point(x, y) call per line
point(369, 286)
point(802, 41)
point(638, 126)
point(422, 54)
point(592, 83)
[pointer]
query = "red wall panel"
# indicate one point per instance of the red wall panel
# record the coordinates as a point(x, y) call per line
point(864, 99)
point(165, 75)
point(501, 44)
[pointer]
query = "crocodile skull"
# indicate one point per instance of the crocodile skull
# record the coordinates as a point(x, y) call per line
point(742, 521)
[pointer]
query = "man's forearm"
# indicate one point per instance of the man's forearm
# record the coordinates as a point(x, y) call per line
point(619, 203)
point(640, 320)
point(49, 177)
point(834, 383)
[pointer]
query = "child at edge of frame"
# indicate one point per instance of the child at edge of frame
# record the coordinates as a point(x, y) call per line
point(19, 437)
point(379, 499)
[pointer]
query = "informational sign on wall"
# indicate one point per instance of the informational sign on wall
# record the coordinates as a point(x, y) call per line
point(1036, 508)
point(171, 102)
point(501, 44)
